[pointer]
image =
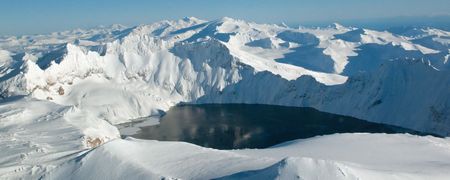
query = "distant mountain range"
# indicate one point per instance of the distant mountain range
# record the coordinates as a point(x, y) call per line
point(74, 84)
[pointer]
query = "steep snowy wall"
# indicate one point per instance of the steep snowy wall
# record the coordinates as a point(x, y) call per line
point(399, 93)
point(61, 93)
point(378, 77)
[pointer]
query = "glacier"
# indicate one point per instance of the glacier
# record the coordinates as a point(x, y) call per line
point(62, 93)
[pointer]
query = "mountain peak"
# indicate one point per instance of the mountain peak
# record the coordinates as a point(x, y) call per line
point(117, 26)
point(227, 19)
point(338, 26)
point(191, 19)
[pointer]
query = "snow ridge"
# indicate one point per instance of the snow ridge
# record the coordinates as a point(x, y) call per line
point(159, 65)
point(372, 75)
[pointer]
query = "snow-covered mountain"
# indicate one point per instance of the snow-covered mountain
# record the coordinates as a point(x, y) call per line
point(75, 84)
point(368, 74)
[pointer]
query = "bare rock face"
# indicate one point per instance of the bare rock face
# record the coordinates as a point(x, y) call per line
point(61, 90)
point(93, 142)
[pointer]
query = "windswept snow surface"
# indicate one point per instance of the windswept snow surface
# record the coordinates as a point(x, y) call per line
point(61, 94)
point(340, 156)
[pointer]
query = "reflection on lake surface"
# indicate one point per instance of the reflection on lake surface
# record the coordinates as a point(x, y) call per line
point(233, 126)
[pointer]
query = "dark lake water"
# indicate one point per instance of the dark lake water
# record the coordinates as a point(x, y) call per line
point(236, 126)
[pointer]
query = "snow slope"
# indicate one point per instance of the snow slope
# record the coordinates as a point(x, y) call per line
point(153, 67)
point(38, 135)
point(62, 92)
point(364, 156)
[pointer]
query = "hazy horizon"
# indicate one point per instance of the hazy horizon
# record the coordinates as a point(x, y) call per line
point(441, 22)
point(34, 17)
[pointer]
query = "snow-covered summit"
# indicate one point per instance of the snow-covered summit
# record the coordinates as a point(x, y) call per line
point(191, 59)
point(83, 81)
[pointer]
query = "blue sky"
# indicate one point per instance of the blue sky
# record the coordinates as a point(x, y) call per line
point(40, 16)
